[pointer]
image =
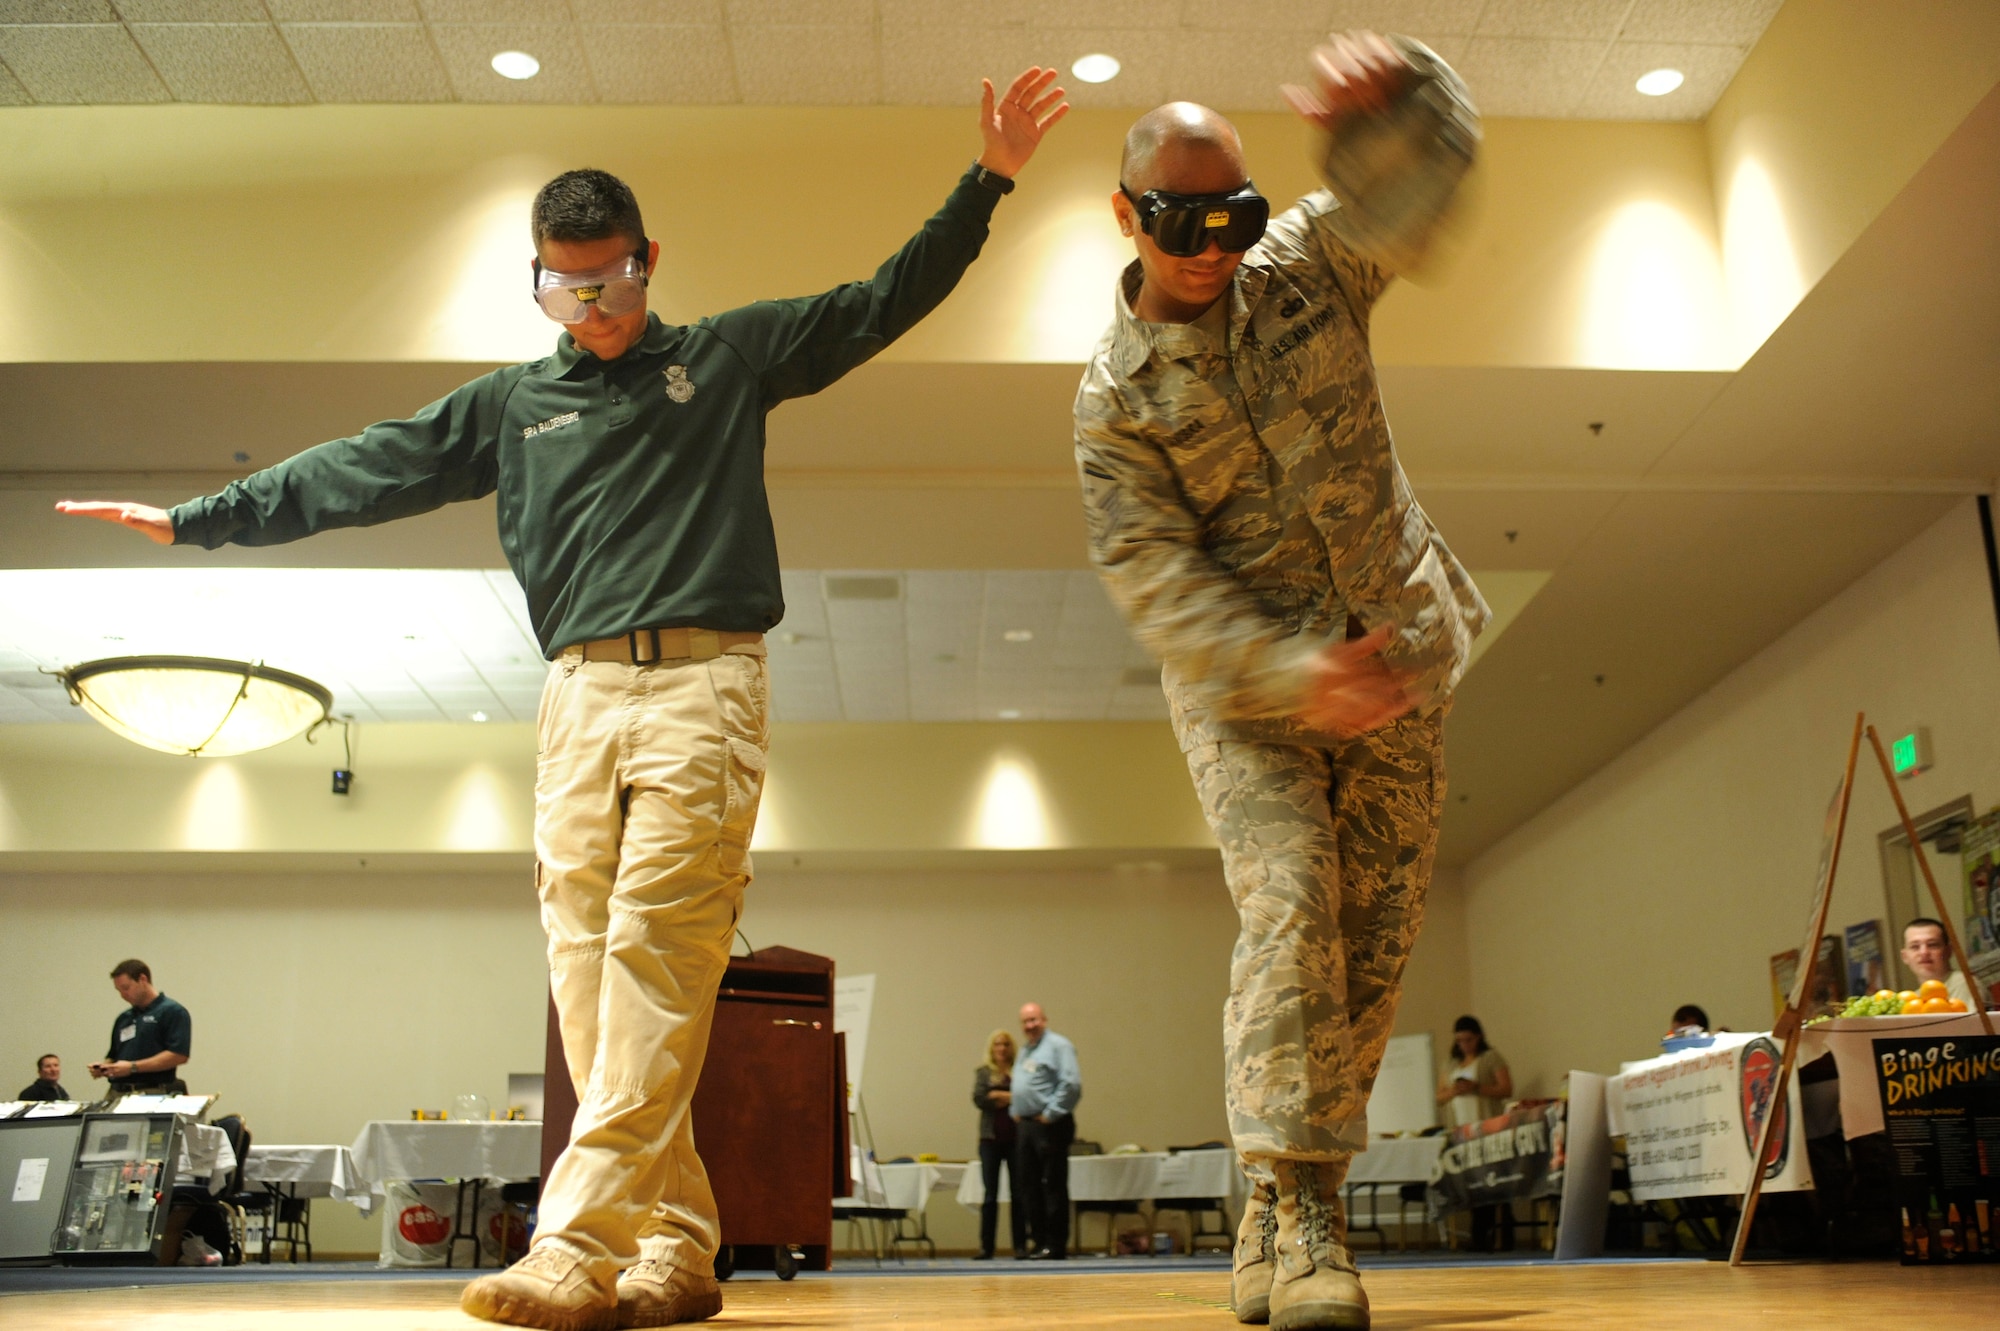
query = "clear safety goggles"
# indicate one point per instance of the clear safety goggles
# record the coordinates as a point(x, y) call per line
point(1183, 224)
point(615, 289)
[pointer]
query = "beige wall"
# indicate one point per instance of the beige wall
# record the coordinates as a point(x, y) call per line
point(322, 1000)
point(1674, 874)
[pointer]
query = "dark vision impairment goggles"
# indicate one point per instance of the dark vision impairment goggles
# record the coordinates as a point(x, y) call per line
point(615, 289)
point(1183, 224)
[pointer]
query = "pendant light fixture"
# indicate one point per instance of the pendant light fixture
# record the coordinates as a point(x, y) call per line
point(197, 706)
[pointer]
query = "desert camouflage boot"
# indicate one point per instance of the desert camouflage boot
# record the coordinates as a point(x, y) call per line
point(549, 1288)
point(1256, 1255)
point(1314, 1285)
point(658, 1293)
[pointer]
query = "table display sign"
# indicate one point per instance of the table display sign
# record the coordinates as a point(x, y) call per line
point(1690, 1120)
point(1941, 1103)
point(1517, 1154)
point(1979, 853)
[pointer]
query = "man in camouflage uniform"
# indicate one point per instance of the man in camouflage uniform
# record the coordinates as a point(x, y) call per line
point(1249, 516)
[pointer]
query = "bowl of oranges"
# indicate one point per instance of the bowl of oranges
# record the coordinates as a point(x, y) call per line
point(1928, 999)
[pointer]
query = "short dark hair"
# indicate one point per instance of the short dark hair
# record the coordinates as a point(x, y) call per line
point(132, 969)
point(1926, 922)
point(45, 1058)
point(586, 205)
point(1688, 1014)
point(1478, 1031)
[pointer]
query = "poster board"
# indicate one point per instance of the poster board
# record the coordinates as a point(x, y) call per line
point(1405, 1095)
point(1517, 1154)
point(853, 1007)
point(1691, 1120)
point(1867, 961)
point(1941, 1106)
point(1980, 866)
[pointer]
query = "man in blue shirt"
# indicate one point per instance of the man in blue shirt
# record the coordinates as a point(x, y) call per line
point(150, 1039)
point(1047, 1085)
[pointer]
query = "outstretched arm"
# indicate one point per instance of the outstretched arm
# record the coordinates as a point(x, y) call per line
point(152, 523)
point(797, 347)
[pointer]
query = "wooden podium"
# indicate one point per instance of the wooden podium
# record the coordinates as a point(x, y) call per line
point(770, 1116)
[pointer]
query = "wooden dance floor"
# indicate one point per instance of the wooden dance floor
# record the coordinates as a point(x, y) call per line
point(1704, 1296)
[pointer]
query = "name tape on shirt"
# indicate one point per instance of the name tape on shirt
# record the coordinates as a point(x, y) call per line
point(552, 423)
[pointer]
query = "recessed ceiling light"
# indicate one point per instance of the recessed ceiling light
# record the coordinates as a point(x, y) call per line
point(1096, 68)
point(1660, 82)
point(1010, 714)
point(516, 65)
point(479, 716)
point(1019, 635)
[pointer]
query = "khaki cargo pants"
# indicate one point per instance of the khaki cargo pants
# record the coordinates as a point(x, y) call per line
point(1327, 853)
point(646, 793)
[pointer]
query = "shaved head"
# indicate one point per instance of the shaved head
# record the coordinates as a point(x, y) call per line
point(1181, 148)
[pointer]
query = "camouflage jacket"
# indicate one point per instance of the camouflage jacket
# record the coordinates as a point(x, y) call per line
point(1245, 500)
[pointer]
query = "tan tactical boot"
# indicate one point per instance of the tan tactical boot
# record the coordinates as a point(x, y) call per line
point(1314, 1285)
point(549, 1288)
point(1256, 1252)
point(657, 1293)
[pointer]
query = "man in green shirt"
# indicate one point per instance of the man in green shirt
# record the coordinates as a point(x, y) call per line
point(151, 1038)
point(629, 469)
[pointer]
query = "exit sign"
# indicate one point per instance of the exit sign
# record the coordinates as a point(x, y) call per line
point(1911, 753)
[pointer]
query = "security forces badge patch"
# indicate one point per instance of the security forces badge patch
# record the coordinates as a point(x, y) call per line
point(678, 386)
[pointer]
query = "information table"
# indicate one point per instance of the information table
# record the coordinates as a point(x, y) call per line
point(1851, 1041)
point(205, 1154)
point(1134, 1178)
point(1690, 1120)
point(311, 1172)
point(505, 1152)
point(902, 1187)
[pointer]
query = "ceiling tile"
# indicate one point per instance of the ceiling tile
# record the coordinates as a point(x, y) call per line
point(1704, 22)
point(658, 63)
point(97, 62)
point(799, 13)
point(368, 62)
point(1610, 94)
point(806, 66)
point(60, 11)
point(193, 11)
point(467, 50)
point(1261, 15)
point(495, 11)
point(1145, 56)
point(1090, 14)
point(895, 14)
point(1239, 71)
point(344, 11)
point(942, 66)
point(669, 13)
point(11, 91)
point(1406, 16)
point(1523, 76)
point(1571, 19)
point(223, 62)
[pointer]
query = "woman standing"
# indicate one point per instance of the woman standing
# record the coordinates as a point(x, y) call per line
point(1477, 1087)
point(992, 1092)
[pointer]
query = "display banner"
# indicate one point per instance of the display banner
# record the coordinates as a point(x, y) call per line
point(1517, 1154)
point(1690, 1120)
point(1941, 1105)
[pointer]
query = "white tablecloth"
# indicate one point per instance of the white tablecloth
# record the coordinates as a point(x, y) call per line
point(1397, 1160)
point(311, 1171)
point(205, 1154)
point(1133, 1178)
point(1852, 1042)
point(905, 1187)
point(410, 1149)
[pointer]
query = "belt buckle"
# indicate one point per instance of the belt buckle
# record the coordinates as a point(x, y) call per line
point(652, 637)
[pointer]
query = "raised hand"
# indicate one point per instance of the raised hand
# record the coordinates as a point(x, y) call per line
point(1358, 73)
point(1353, 689)
point(1012, 127)
point(152, 523)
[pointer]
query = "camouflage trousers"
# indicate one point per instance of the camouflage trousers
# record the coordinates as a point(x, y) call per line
point(1327, 853)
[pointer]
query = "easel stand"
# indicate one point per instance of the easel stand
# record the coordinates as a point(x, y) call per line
point(1792, 1021)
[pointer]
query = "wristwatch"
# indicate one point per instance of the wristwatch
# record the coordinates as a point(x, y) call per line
point(992, 180)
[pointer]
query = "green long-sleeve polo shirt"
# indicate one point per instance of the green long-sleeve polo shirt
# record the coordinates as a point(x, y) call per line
point(631, 491)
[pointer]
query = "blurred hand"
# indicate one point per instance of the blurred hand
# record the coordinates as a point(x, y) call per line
point(1357, 73)
point(153, 523)
point(1353, 689)
point(1012, 129)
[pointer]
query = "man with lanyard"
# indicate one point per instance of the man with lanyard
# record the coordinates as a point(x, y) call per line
point(151, 1038)
point(629, 467)
point(1248, 515)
